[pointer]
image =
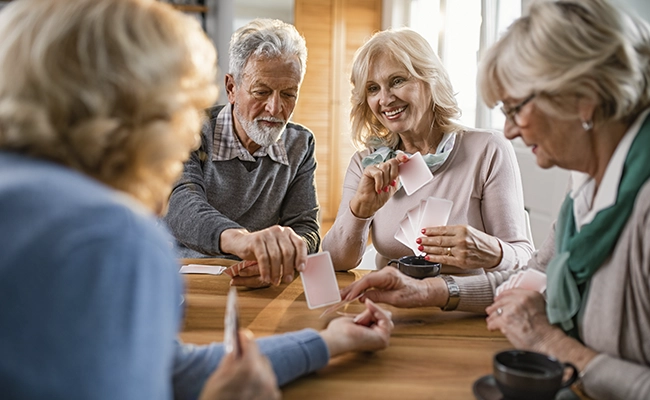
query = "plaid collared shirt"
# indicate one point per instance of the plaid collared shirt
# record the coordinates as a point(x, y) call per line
point(227, 146)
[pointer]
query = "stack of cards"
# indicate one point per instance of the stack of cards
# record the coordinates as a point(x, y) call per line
point(429, 213)
point(414, 174)
point(530, 279)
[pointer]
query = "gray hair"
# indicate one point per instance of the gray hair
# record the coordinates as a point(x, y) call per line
point(584, 48)
point(413, 51)
point(266, 38)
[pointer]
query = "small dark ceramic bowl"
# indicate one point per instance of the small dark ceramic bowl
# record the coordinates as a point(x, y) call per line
point(416, 267)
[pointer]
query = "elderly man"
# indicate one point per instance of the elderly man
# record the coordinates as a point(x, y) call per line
point(249, 190)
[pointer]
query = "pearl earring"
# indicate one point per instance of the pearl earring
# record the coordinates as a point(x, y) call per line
point(587, 125)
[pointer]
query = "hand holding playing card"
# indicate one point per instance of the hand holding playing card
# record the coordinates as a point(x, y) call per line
point(462, 246)
point(378, 183)
point(430, 212)
point(529, 279)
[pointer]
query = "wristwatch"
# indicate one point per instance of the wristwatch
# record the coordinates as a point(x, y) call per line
point(454, 293)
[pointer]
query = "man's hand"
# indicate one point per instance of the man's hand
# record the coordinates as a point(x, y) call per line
point(248, 377)
point(278, 251)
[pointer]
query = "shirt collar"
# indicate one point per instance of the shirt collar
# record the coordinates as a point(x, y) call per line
point(583, 186)
point(227, 146)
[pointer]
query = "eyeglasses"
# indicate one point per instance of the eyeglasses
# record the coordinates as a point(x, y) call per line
point(512, 113)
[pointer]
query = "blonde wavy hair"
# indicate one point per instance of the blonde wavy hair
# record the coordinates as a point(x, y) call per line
point(413, 51)
point(112, 88)
point(563, 49)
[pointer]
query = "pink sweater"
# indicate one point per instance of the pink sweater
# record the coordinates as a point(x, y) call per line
point(481, 177)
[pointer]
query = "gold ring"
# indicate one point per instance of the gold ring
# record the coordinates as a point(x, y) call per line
point(448, 251)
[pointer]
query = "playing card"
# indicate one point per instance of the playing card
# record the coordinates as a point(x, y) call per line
point(414, 174)
point(436, 213)
point(319, 281)
point(532, 279)
point(231, 324)
point(400, 235)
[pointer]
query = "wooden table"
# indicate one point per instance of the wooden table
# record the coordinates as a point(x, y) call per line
point(432, 354)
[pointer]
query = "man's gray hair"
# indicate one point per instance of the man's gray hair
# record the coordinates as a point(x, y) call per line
point(266, 38)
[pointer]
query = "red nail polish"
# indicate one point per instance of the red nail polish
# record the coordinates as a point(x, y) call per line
point(393, 183)
point(426, 258)
point(386, 189)
point(379, 191)
point(418, 240)
point(424, 231)
point(421, 248)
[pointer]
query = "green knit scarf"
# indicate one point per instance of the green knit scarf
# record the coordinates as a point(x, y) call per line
point(580, 254)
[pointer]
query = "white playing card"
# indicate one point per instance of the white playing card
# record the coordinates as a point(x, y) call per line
point(532, 279)
point(529, 279)
point(414, 174)
point(319, 281)
point(400, 235)
point(436, 213)
point(231, 324)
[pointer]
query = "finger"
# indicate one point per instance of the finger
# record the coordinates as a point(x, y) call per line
point(263, 261)
point(253, 282)
point(288, 261)
point(231, 271)
point(252, 270)
point(365, 318)
point(247, 341)
point(383, 318)
point(445, 230)
point(275, 256)
point(378, 177)
point(380, 279)
point(301, 251)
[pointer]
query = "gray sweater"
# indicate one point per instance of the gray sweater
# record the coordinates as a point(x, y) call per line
point(213, 196)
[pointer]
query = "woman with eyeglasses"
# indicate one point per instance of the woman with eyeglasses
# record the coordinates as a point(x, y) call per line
point(403, 103)
point(574, 80)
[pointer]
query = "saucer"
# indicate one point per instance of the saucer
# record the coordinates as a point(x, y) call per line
point(485, 388)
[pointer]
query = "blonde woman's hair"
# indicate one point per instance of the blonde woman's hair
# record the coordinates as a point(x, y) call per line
point(112, 88)
point(564, 49)
point(413, 51)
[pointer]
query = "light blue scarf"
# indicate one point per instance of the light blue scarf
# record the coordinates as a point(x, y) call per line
point(434, 161)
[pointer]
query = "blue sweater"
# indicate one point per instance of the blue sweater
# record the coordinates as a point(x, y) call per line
point(90, 296)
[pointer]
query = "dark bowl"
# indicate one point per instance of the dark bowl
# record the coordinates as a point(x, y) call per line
point(417, 267)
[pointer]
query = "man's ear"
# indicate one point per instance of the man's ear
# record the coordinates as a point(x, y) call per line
point(230, 88)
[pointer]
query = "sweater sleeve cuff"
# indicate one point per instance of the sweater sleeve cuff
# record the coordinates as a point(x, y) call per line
point(475, 293)
point(295, 354)
point(508, 258)
point(609, 377)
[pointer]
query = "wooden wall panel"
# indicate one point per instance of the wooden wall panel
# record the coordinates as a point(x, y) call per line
point(333, 29)
point(313, 109)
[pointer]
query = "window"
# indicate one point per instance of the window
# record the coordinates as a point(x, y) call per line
point(456, 30)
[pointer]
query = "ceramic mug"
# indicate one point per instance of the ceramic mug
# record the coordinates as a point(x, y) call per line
point(526, 375)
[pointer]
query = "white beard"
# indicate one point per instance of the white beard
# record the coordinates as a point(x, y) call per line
point(263, 135)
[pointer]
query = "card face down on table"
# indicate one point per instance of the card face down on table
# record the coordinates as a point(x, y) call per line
point(319, 281)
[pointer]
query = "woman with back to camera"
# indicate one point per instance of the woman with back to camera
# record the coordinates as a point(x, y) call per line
point(101, 101)
point(402, 101)
point(573, 78)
